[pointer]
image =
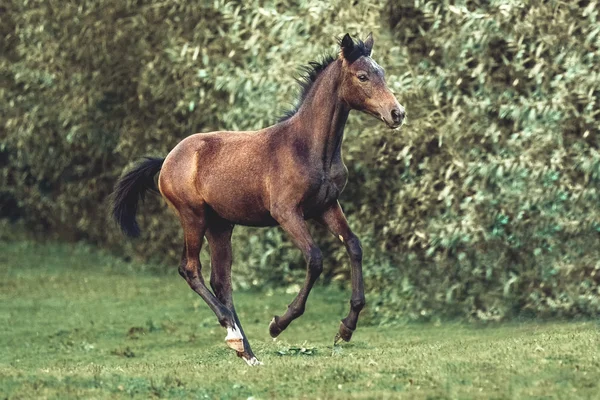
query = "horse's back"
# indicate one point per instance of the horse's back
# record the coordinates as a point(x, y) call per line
point(225, 170)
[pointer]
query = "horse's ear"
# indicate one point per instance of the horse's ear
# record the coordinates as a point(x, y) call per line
point(369, 43)
point(347, 45)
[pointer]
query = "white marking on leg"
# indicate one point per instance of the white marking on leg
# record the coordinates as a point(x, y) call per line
point(252, 361)
point(233, 333)
point(341, 238)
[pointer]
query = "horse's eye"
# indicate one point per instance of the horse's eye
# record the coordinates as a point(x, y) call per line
point(363, 78)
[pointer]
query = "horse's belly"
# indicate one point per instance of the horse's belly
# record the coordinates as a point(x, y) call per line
point(243, 210)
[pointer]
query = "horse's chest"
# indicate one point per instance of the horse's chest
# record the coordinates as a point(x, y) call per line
point(326, 191)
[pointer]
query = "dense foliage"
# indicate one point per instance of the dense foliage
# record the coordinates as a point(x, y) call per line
point(484, 205)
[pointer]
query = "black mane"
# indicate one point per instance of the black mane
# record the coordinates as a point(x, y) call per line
point(351, 51)
point(309, 75)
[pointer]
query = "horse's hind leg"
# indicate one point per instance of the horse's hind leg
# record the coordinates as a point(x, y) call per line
point(218, 235)
point(194, 227)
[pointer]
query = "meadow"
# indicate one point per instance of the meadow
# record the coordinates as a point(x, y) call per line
point(78, 323)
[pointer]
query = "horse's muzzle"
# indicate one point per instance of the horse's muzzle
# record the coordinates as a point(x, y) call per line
point(396, 117)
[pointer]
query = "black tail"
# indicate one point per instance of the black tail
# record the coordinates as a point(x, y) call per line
point(130, 189)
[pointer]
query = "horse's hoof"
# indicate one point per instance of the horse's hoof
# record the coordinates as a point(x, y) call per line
point(274, 329)
point(236, 344)
point(344, 334)
point(234, 339)
point(252, 361)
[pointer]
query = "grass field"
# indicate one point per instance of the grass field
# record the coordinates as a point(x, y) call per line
point(75, 323)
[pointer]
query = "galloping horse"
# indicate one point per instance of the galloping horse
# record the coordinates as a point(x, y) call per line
point(282, 175)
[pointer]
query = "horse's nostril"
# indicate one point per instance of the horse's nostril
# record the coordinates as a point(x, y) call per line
point(397, 115)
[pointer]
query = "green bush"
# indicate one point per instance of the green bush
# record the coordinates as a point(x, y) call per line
point(497, 176)
point(484, 205)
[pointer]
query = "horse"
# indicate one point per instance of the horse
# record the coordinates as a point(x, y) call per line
point(285, 175)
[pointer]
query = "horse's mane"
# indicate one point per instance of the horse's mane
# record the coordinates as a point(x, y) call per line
point(311, 72)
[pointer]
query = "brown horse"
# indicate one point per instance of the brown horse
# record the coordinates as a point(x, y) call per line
point(281, 175)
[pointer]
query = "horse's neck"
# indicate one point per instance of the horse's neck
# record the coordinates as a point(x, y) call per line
point(322, 116)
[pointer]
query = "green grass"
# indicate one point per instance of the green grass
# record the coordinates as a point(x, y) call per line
point(75, 323)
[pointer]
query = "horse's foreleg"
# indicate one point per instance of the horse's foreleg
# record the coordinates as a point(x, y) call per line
point(219, 241)
point(194, 227)
point(335, 221)
point(293, 223)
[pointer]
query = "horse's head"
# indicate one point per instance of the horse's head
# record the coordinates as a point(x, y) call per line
point(363, 83)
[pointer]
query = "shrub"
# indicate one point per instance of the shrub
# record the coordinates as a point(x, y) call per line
point(484, 205)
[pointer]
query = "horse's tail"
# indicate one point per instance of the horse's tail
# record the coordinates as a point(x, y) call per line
point(130, 189)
